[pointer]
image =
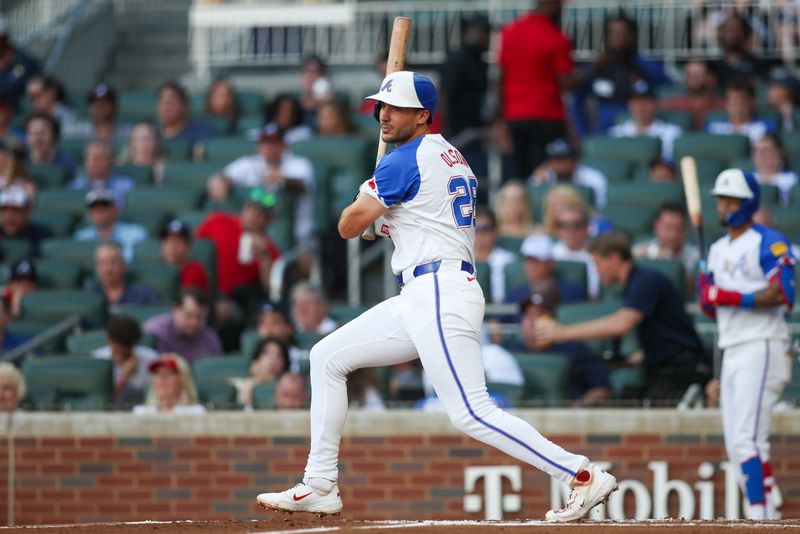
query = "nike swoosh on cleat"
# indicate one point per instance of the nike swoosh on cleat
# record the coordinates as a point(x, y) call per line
point(470, 279)
point(296, 498)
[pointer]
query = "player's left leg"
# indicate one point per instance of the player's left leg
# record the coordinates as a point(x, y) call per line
point(445, 331)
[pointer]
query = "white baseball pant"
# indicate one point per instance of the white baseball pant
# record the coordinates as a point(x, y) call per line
point(436, 317)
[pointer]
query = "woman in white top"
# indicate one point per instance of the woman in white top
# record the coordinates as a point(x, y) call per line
point(770, 163)
point(172, 388)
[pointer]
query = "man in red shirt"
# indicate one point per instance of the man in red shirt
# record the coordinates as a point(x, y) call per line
point(176, 244)
point(535, 61)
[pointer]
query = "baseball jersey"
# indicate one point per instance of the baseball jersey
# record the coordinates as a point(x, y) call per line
point(430, 193)
point(747, 264)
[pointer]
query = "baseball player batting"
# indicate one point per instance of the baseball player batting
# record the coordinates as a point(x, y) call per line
point(748, 286)
point(426, 193)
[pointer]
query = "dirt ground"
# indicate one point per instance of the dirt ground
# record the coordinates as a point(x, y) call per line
point(298, 524)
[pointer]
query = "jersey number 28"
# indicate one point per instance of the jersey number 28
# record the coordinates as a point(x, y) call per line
point(465, 195)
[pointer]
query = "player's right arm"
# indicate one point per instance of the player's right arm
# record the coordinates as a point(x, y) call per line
point(359, 215)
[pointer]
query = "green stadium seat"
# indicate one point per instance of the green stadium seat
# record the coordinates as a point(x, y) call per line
point(574, 272)
point(787, 220)
point(203, 250)
point(615, 170)
point(29, 329)
point(61, 224)
point(707, 171)
point(74, 147)
point(306, 340)
point(141, 313)
point(484, 276)
point(633, 220)
point(167, 200)
point(512, 392)
point(177, 149)
point(226, 149)
point(137, 106)
point(189, 174)
point(248, 341)
point(247, 123)
point(344, 313)
point(218, 124)
point(159, 276)
point(68, 201)
point(639, 150)
point(84, 343)
point(212, 376)
point(791, 141)
point(792, 391)
point(58, 274)
point(725, 148)
point(142, 175)
point(12, 250)
point(510, 243)
point(264, 396)
point(367, 126)
point(250, 102)
point(514, 274)
point(57, 304)
point(49, 176)
point(74, 383)
point(151, 221)
point(622, 196)
point(626, 382)
point(546, 377)
point(80, 253)
point(586, 311)
point(746, 164)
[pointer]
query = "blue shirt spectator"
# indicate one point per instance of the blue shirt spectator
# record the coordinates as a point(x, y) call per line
point(42, 133)
point(106, 226)
point(99, 173)
point(174, 121)
point(111, 271)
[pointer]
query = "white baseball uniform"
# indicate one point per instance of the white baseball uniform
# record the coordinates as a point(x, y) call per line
point(755, 365)
point(430, 192)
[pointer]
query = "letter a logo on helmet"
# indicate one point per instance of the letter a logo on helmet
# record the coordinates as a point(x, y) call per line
point(406, 89)
point(736, 183)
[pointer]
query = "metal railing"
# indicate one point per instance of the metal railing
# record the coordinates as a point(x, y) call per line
point(33, 19)
point(352, 33)
point(58, 330)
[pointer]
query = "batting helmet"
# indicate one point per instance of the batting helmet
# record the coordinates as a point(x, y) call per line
point(406, 89)
point(736, 183)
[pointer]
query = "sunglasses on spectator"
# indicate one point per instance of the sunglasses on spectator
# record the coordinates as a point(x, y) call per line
point(570, 225)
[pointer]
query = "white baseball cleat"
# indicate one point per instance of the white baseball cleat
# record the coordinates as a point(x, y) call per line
point(585, 496)
point(303, 498)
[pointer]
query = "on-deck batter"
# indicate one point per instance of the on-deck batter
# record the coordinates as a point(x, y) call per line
point(425, 192)
point(749, 284)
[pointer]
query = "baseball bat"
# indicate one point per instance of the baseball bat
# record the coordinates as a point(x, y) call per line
point(693, 205)
point(395, 61)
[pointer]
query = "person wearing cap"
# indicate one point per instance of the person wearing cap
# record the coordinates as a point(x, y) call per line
point(172, 388)
point(15, 218)
point(589, 378)
point(274, 168)
point(740, 107)
point(643, 121)
point(540, 269)
point(245, 253)
point(749, 287)
point(98, 165)
point(111, 277)
point(176, 245)
point(42, 133)
point(184, 330)
point(103, 125)
point(103, 213)
point(175, 121)
point(16, 67)
point(424, 195)
point(563, 166)
point(131, 361)
point(674, 358)
point(22, 280)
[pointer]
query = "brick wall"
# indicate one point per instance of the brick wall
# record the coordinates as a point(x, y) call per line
point(68, 478)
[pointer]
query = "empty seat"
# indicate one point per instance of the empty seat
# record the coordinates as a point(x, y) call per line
point(142, 175)
point(226, 149)
point(80, 253)
point(135, 106)
point(264, 396)
point(69, 201)
point(167, 200)
point(73, 383)
point(638, 150)
point(49, 176)
point(190, 174)
point(141, 313)
point(212, 377)
point(61, 224)
point(159, 276)
point(58, 274)
point(57, 304)
point(725, 148)
point(177, 149)
point(84, 343)
point(12, 250)
point(546, 377)
point(615, 170)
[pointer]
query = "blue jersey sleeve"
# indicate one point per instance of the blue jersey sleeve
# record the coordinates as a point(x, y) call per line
point(777, 261)
point(397, 176)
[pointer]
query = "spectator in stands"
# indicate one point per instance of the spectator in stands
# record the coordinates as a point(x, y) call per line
point(608, 80)
point(176, 245)
point(589, 377)
point(563, 166)
point(315, 87)
point(99, 173)
point(144, 149)
point(562, 196)
point(772, 166)
point(103, 111)
point(659, 171)
point(8, 341)
point(673, 354)
point(310, 310)
point(462, 94)
point(47, 95)
point(22, 280)
point(111, 271)
point(172, 388)
point(514, 211)
point(103, 213)
point(642, 107)
point(268, 362)
point(16, 67)
point(12, 387)
point(175, 122)
point(740, 105)
point(572, 229)
point(273, 322)
point(363, 392)
point(486, 250)
point(290, 393)
point(540, 270)
point(669, 240)
point(287, 113)
point(15, 218)
point(737, 62)
point(221, 102)
point(185, 329)
point(131, 361)
point(274, 168)
point(333, 119)
point(536, 66)
point(783, 95)
point(245, 253)
point(42, 133)
point(9, 132)
point(701, 94)
point(12, 168)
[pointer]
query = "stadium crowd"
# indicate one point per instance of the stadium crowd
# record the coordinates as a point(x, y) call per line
point(162, 220)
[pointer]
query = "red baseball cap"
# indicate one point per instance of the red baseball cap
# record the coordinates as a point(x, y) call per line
point(165, 361)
